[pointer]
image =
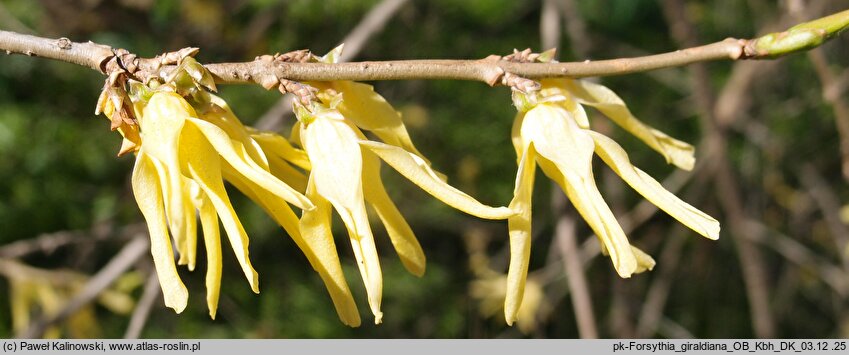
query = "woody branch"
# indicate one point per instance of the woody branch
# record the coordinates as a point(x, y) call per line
point(490, 70)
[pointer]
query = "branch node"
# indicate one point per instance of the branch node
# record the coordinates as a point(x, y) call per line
point(519, 83)
point(298, 56)
point(64, 43)
point(306, 94)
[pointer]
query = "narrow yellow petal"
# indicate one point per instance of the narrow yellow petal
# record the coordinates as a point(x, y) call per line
point(520, 236)
point(212, 243)
point(295, 134)
point(162, 123)
point(617, 159)
point(275, 144)
point(331, 145)
point(220, 114)
point(565, 154)
point(313, 236)
point(519, 143)
point(417, 170)
point(370, 111)
point(148, 195)
point(232, 152)
point(584, 195)
point(365, 252)
point(286, 173)
point(191, 233)
point(644, 261)
point(205, 168)
point(337, 165)
point(317, 243)
point(174, 211)
point(400, 234)
point(605, 100)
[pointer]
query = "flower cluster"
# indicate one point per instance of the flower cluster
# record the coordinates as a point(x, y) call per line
point(552, 130)
point(188, 142)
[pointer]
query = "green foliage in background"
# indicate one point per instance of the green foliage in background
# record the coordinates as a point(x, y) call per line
point(58, 169)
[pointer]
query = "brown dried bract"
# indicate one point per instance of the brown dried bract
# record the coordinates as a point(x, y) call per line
point(519, 83)
point(299, 56)
point(305, 93)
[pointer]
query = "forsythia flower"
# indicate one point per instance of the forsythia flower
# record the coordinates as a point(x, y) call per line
point(552, 130)
point(182, 159)
point(345, 174)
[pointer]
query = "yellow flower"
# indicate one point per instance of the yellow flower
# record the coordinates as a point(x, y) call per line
point(180, 166)
point(552, 130)
point(490, 291)
point(346, 176)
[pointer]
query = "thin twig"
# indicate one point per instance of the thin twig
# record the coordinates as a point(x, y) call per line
point(144, 307)
point(370, 25)
point(800, 255)
point(489, 70)
point(485, 70)
point(826, 199)
point(90, 54)
point(754, 272)
point(354, 42)
point(564, 235)
point(116, 267)
point(655, 300)
point(549, 24)
point(576, 28)
point(828, 79)
point(49, 242)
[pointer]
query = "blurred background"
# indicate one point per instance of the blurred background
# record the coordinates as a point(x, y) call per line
point(772, 144)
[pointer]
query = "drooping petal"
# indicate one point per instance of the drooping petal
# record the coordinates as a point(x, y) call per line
point(204, 168)
point(161, 124)
point(191, 234)
point(565, 154)
point(231, 125)
point(286, 173)
point(617, 159)
point(584, 195)
point(520, 236)
point(212, 243)
point(233, 152)
point(148, 194)
point(370, 111)
point(516, 136)
point(400, 234)
point(312, 235)
point(415, 169)
point(644, 261)
point(317, 243)
point(368, 261)
point(277, 145)
point(220, 114)
point(605, 100)
point(331, 144)
point(337, 162)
